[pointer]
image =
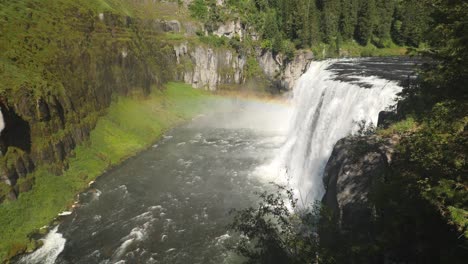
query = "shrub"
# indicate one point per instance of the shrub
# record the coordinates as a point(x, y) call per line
point(199, 9)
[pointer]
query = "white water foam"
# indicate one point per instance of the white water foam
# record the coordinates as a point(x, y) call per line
point(2, 123)
point(325, 110)
point(54, 243)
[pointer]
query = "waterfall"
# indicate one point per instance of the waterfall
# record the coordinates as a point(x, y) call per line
point(326, 110)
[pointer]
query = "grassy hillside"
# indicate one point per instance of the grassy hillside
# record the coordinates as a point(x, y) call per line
point(130, 125)
point(61, 63)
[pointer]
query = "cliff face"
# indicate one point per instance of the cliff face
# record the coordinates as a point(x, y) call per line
point(356, 165)
point(47, 114)
point(217, 67)
point(88, 59)
point(209, 68)
point(284, 73)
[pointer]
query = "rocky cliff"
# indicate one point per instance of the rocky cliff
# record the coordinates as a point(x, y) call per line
point(356, 166)
point(211, 67)
point(60, 78)
point(48, 114)
point(284, 72)
point(208, 67)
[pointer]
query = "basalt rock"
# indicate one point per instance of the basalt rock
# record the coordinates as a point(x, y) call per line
point(209, 68)
point(230, 30)
point(41, 126)
point(355, 166)
point(282, 71)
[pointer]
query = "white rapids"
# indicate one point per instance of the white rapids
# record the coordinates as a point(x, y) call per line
point(325, 110)
point(54, 244)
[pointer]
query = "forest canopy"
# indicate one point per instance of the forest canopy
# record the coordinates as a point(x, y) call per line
point(308, 23)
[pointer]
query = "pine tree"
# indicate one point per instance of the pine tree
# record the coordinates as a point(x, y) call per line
point(348, 18)
point(330, 19)
point(366, 21)
point(385, 10)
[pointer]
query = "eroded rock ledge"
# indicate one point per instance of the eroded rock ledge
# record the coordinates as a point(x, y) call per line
point(356, 165)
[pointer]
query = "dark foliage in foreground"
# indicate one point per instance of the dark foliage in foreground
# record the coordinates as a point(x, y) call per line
point(277, 231)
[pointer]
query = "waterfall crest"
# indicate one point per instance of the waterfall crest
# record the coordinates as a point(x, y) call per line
point(326, 110)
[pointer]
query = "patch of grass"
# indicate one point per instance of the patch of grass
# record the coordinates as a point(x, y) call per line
point(353, 49)
point(214, 41)
point(129, 126)
point(401, 127)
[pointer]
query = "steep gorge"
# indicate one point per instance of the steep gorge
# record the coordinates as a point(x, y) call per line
point(63, 72)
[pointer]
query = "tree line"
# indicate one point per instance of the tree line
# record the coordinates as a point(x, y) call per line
point(308, 22)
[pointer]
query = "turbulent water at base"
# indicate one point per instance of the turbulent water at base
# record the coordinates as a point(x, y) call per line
point(170, 204)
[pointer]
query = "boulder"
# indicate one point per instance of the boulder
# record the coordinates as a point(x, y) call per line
point(356, 165)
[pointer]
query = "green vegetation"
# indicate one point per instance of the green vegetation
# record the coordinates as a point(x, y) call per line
point(130, 125)
point(366, 27)
point(433, 157)
point(354, 49)
point(420, 202)
point(61, 63)
point(277, 231)
point(399, 128)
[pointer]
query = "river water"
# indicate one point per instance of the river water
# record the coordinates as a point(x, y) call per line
point(171, 203)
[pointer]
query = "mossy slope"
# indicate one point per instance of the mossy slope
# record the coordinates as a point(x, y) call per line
point(130, 125)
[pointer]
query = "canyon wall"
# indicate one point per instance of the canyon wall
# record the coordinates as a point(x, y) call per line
point(54, 109)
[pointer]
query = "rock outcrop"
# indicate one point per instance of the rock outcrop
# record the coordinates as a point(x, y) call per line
point(356, 170)
point(209, 68)
point(355, 166)
point(284, 73)
point(42, 128)
point(230, 30)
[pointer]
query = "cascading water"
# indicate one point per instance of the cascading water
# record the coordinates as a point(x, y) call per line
point(326, 110)
point(47, 254)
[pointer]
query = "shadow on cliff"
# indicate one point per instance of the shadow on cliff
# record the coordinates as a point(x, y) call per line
point(16, 133)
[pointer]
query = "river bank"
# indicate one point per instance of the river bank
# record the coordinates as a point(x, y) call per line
point(130, 125)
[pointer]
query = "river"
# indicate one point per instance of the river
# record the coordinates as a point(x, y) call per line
point(171, 203)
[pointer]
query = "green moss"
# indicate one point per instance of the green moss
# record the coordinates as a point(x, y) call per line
point(4, 190)
point(129, 126)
